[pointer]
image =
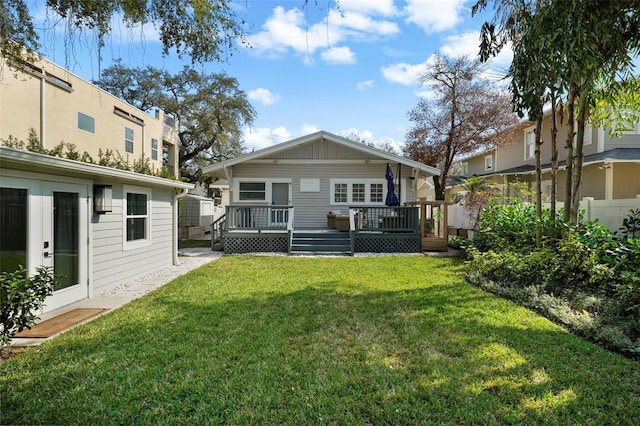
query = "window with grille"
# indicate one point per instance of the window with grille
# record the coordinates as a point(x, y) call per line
point(128, 140)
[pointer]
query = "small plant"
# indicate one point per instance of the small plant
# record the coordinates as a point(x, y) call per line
point(20, 297)
point(630, 225)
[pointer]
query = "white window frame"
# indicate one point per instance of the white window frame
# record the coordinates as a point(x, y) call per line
point(132, 140)
point(529, 148)
point(154, 149)
point(131, 245)
point(488, 162)
point(350, 183)
point(588, 138)
point(371, 192)
point(267, 189)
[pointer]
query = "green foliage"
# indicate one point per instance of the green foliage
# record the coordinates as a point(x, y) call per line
point(211, 108)
point(107, 158)
point(204, 30)
point(630, 225)
point(589, 269)
point(20, 297)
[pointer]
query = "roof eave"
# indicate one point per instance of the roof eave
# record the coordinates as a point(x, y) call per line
point(11, 155)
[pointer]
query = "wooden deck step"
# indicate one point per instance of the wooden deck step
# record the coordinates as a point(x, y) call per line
point(321, 243)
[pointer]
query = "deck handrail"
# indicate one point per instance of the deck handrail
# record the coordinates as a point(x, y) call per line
point(218, 228)
point(385, 218)
point(259, 218)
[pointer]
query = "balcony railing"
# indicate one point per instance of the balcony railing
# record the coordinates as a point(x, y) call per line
point(259, 218)
point(385, 219)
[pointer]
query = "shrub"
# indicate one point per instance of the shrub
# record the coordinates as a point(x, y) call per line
point(20, 297)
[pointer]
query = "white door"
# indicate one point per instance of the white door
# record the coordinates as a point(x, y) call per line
point(64, 240)
point(45, 223)
point(280, 198)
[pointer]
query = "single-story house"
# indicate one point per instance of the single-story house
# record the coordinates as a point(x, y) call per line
point(296, 196)
point(97, 227)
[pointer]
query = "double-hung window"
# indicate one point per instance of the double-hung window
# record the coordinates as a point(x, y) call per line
point(137, 216)
point(128, 140)
point(530, 144)
point(488, 162)
point(154, 149)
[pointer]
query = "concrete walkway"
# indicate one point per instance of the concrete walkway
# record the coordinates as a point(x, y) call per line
point(190, 259)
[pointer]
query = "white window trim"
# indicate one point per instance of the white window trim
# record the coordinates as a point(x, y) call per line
point(133, 140)
point(154, 151)
point(350, 183)
point(588, 136)
point(488, 162)
point(268, 194)
point(131, 245)
point(527, 131)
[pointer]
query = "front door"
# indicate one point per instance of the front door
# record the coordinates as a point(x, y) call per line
point(64, 236)
point(280, 198)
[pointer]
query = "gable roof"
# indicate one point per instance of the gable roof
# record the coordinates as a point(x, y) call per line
point(321, 135)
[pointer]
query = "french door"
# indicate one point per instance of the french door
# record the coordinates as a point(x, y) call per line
point(64, 240)
point(45, 223)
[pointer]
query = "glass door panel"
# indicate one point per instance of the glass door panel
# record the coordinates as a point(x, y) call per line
point(66, 244)
point(13, 229)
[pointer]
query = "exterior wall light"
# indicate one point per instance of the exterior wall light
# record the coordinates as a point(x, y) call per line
point(102, 198)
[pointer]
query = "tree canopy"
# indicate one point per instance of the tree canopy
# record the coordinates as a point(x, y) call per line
point(579, 52)
point(204, 30)
point(211, 110)
point(465, 115)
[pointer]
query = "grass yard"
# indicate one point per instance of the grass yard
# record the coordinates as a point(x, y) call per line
point(280, 340)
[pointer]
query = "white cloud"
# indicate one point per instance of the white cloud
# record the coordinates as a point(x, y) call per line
point(289, 30)
point(308, 129)
point(468, 44)
point(263, 96)
point(465, 44)
point(264, 137)
point(364, 85)
point(338, 55)
point(403, 73)
point(434, 15)
point(377, 7)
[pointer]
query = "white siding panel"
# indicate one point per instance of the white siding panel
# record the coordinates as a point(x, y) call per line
point(112, 266)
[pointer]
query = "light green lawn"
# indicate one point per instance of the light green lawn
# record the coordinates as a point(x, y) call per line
point(285, 340)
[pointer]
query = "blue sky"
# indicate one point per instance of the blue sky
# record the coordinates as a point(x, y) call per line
point(354, 70)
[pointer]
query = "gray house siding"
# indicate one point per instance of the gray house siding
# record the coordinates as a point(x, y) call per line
point(311, 208)
point(113, 266)
point(321, 150)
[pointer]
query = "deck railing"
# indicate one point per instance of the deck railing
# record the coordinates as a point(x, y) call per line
point(259, 218)
point(385, 219)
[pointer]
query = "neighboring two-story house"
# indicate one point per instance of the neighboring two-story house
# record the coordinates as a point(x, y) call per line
point(611, 164)
point(62, 107)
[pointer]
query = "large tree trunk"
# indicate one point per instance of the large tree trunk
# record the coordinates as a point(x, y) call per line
point(554, 157)
point(569, 148)
point(438, 188)
point(538, 154)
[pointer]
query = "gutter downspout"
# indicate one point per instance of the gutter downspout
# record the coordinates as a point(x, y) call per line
point(43, 113)
point(175, 224)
